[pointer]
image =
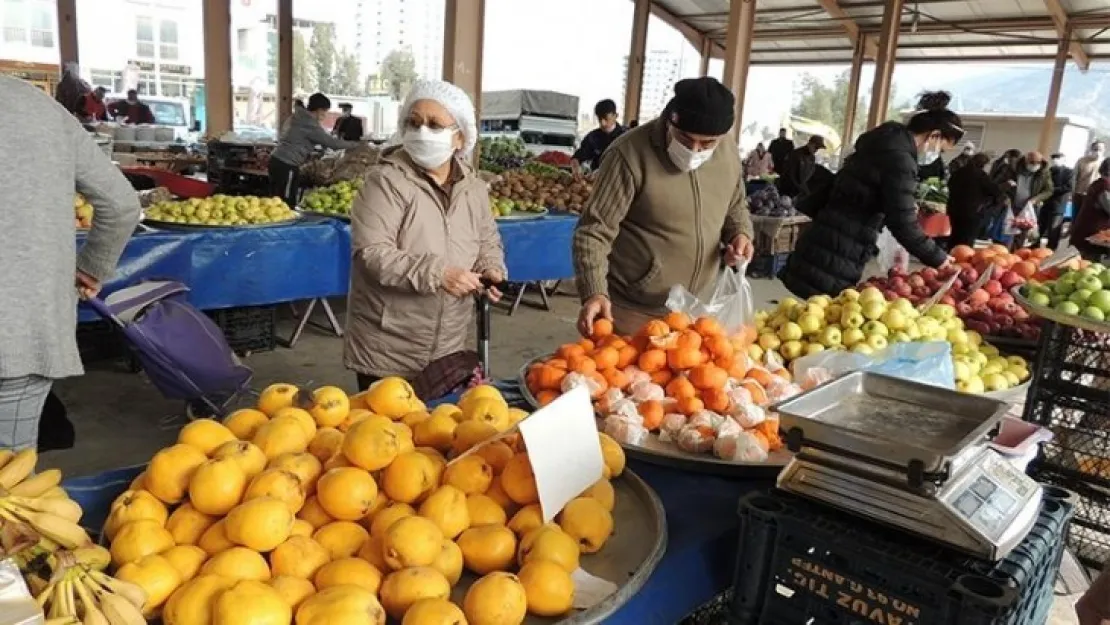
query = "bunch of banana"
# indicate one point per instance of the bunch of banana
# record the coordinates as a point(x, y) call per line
point(82, 592)
point(38, 501)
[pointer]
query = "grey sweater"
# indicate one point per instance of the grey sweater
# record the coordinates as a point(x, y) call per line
point(302, 136)
point(49, 157)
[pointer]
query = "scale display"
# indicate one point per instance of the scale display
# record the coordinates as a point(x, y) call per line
point(994, 495)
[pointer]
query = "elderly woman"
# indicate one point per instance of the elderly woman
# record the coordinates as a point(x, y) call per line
point(422, 239)
point(759, 162)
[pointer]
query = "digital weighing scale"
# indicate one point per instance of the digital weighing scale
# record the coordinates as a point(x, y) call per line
point(911, 456)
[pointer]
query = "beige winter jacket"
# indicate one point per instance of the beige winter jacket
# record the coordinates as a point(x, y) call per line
point(405, 230)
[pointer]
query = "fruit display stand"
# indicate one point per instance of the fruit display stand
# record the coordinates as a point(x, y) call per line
point(1070, 395)
point(777, 235)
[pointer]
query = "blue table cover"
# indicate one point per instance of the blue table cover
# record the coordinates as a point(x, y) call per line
point(234, 267)
point(702, 528)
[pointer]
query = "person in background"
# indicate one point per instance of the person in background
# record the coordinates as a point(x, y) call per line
point(422, 239)
point(759, 162)
point(132, 110)
point(780, 149)
point(1094, 216)
point(1086, 172)
point(298, 141)
point(669, 209)
point(1050, 221)
point(634, 123)
point(92, 106)
point(971, 192)
point(298, 105)
point(71, 89)
point(933, 169)
point(1093, 608)
point(597, 140)
point(874, 188)
point(962, 158)
point(1033, 183)
point(795, 174)
point(44, 272)
point(347, 127)
point(1004, 167)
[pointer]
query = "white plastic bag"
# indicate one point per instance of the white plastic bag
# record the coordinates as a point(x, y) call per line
point(731, 303)
point(927, 363)
point(891, 253)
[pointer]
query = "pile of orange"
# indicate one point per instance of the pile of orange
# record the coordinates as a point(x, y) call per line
point(1023, 262)
point(692, 360)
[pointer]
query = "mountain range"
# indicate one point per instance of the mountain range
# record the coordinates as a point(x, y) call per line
point(1025, 90)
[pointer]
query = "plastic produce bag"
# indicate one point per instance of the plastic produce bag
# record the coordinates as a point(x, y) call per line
point(927, 363)
point(730, 304)
point(891, 253)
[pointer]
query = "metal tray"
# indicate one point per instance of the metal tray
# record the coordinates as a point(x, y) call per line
point(655, 451)
point(636, 547)
point(308, 213)
point(168, 225)
point(890, 419)
point(523, 215)
point(1052, 314)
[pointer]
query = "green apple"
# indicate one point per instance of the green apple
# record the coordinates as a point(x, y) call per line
point(790, 331)
point(1089, 283)
point(1092, 312)
point(1100, 299)
point(905, 307)
point(913, 332)
point(877, 341)
point(833, 313)
point(848, 295)
point(894, 319)
point(900, 337)
point(830, 336)
point(1040, 299)
point(973, 385)
point(963, 372)
point(810, 324)
point(863, 348)
point(941, 311)
point(852, 336)
point(769, 340)
point(1080, 296)
point(851, 319)
point(995, 382)
point(788, 303)
point(814, 348)
point(1063, 287)
point(1068, 308)
point(791, 349)
point(873, 309)
point(957, 337)
point(875, 328)
point(819, 300)
point(1021, 372)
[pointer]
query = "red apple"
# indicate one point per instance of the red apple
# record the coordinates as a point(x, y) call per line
point(895, 271)
point(963, 309)
point(890, 295)
point(903, 290)
point(979, 326)
point(993, 287)
point(949, 271)
point(932, 284)
point(929, 273)
point(979, 296)
point(948, 299)
point(916, 280)
point(922, 292)
point(1010, 279)
point(969, 275)
point(1004, 320)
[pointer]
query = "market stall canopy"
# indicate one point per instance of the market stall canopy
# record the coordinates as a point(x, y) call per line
point(802, 128)
point(803, 32)
point(518, 102)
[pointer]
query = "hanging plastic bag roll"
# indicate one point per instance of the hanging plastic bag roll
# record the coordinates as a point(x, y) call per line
point(730, 304)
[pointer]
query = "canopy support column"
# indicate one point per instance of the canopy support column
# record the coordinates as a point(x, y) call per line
point(738, 53)
point(1049, 123)
point(634, 77)
point(847, 135)
point(464, 29)
point(706, 54)
point(284, 61)
point(67, 32)
point(217, 67)
point(884, 62)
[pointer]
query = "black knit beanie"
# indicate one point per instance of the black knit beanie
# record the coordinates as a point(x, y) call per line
point(702, 106)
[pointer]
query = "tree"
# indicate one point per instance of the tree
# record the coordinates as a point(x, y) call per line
point(399, 68)
point(303, 71)
point(321, 56)
point(345, 81)
point(829, 103)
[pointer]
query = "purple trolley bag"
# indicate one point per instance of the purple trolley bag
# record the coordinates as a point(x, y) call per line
point(183, 352)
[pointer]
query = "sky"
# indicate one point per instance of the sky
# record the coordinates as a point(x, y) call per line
point(579, 46)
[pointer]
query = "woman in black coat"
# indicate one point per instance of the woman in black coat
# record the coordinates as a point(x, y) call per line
point(971, 191)
point(874, 188)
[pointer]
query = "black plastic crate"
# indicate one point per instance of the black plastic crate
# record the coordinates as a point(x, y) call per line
point(767, 265)
point(1089, 534)
point(799, 561)
point(248, 328)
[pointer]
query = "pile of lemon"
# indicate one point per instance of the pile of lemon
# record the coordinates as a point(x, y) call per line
point(318, 508)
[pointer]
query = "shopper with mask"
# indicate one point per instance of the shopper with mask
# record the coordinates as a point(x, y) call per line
point(1086, 172)
point(1094, 215)
point(874, 189)
point(422, 238)
point(1050, 221)
point(597, 140)
point(668, 208)
point(298, 141)
point(1033, 184)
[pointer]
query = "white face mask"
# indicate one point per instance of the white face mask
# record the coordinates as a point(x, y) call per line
point(429, 148)
point(929, 154)
point(686, 159)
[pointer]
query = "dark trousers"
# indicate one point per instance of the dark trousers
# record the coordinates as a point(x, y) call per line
point(1050, 221)
point(285, 182)
point(364, 381)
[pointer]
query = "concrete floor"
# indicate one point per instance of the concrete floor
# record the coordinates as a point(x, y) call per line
point(122, 420)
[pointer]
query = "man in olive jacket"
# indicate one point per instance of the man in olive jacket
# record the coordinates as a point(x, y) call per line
point(668, 209)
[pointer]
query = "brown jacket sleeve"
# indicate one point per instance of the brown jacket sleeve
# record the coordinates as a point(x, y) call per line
point(599, 224)
point(738, 220)
point(376, 219)
point(491, 253)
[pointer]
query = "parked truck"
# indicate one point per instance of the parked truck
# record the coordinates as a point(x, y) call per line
point(544, 120)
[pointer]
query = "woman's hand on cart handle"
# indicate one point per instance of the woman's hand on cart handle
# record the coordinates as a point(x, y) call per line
point(87, 286)
point(460, 282)
point(490, 279)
